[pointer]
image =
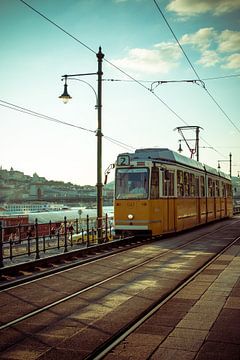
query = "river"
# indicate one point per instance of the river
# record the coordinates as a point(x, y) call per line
point(71, 214)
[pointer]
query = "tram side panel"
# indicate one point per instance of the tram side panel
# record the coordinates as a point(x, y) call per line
point(187, 213)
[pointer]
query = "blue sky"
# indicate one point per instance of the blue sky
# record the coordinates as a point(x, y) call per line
point(136, 39)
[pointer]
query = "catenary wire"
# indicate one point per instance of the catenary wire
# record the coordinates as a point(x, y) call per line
point(191, 65)
point(49, 118)
point(116, 67)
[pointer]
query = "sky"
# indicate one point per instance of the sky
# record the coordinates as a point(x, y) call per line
point(143, 41)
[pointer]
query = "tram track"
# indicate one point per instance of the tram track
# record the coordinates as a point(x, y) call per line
point(102, 351)
point(106, 283)
point(98, 283)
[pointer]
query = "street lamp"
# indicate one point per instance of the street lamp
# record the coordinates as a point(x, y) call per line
point(196, 148)
point(230, 164)
point(65, 97)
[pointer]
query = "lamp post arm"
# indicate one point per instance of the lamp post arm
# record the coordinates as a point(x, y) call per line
point(73, 78)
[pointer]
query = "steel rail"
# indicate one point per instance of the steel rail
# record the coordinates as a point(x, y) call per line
point(66, 298)
point(105, 348)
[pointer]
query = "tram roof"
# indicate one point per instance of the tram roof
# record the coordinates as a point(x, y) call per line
point(170, 156)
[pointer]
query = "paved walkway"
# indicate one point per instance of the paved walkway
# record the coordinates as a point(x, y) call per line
point(201, 322)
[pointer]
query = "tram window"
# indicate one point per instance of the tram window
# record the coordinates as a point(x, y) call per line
point(186, 184)
point(132, 183)
point(213, 189)
point(223, 189)
point(217, 189)
point(210, 187)
point(202, 186)
point(168, 183)
point(229, 190)
point(180, 191)
point(155, 183)
point(192, 185)
point(197, 186)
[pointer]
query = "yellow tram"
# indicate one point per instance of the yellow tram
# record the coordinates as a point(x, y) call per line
point(158, 191)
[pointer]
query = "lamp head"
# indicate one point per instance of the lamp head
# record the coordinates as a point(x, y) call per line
point(65, 95)
point(180, 147)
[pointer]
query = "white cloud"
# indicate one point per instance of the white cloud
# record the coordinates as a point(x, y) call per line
point(209, 58)
point(213, 47)
point(232, 62)
point(229, 41)
point(159, 60)
point(190, 7)
point(202, 39)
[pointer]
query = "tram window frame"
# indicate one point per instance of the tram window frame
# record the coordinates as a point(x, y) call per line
point(154, 190)
point(168, 183)
point(180, 187)
point(202, 186)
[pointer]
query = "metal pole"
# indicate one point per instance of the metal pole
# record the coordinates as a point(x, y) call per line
point(230, 163)
point(100, 56)
point(197, 142)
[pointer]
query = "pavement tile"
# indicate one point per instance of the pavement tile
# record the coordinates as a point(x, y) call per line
point(197, 324)
point(226, 334)
point(30, 349)
point(85, 341)
point(140, 340)
point(219, 351)
point(188, 295)
point(133, 353)
point(208, 278)
point(10, 336)
point(235, 291)
point(189, 333)
point(61, 354)
point(152, 328)
point(182, 343)
point(170, 354)
point(232, 303)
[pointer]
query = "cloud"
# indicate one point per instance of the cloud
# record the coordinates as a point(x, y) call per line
point(159, 60)
point(229, 41)
point(209, 58)
point(232, 62)
point(215, 47)
point(202, 39)
point(191, 8)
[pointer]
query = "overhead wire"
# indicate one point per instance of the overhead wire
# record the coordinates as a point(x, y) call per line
point(191, 65)
point(36, 114)
point(24, 110)
point(110, 63)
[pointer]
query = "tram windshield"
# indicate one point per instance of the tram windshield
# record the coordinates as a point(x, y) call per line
point(132, 183)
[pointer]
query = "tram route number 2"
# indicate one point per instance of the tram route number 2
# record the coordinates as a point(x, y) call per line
point(123, 160)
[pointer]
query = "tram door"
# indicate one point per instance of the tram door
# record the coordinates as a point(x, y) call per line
point(168, 200)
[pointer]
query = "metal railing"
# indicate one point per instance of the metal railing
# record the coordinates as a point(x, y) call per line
point(32, 241)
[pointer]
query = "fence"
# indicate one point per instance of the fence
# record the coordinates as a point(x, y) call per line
point(35, 240)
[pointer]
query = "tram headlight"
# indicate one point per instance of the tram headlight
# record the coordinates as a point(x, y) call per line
point(130, 216)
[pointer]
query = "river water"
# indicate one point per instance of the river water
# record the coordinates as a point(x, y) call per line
point(71, 214)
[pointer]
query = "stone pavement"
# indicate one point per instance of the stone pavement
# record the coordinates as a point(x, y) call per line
point(201, 322)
